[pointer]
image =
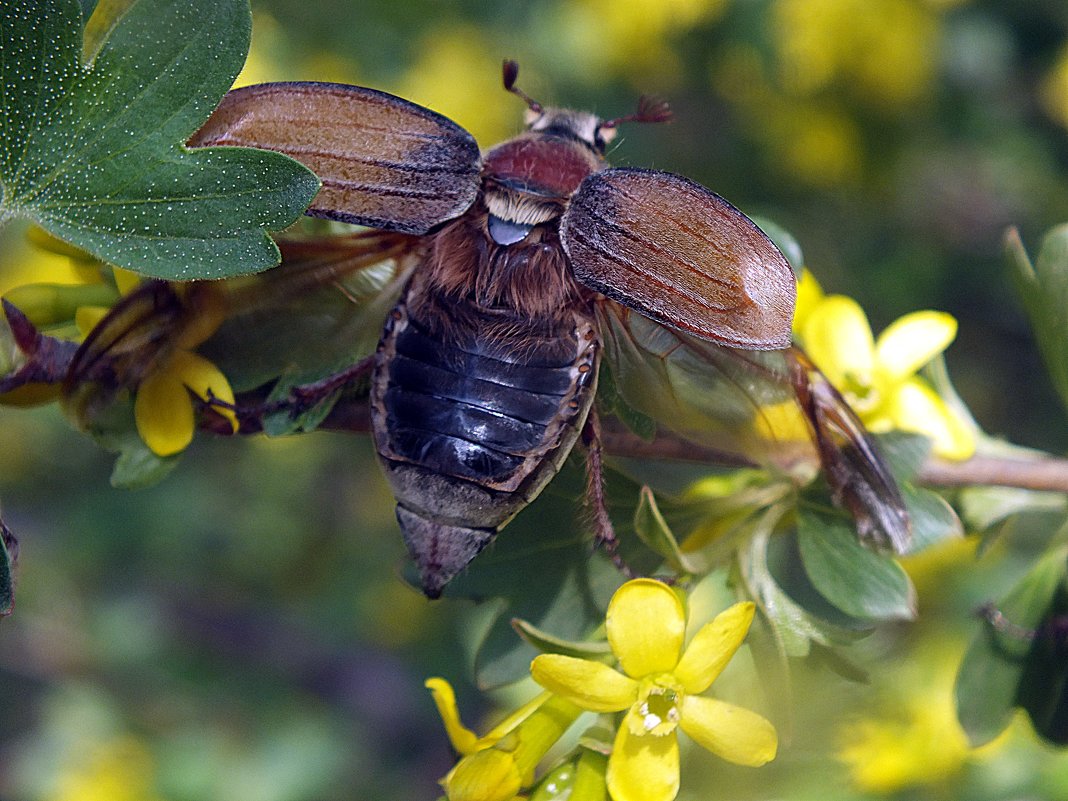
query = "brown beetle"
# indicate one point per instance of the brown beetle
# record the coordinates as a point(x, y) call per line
point(521, 261)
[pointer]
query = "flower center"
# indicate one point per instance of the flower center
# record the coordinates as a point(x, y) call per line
point(860, 391)
point(656, 711)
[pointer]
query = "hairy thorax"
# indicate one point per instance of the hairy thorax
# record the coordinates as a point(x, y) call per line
point(526, 286)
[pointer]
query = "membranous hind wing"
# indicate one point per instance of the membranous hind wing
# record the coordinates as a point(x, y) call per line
point(773, 409)
point(131, 341)
point(384, 162)
point(681, 255)
point(738, 403)
point(858, 477)
point(319, 311)
point(322, 307)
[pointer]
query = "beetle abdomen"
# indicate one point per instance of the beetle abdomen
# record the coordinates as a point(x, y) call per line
point(470, 430)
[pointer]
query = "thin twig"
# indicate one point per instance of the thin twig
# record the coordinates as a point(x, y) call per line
point(1044, 473)
point(1041, 473)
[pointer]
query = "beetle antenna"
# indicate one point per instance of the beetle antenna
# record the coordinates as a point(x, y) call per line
point(510, 73)
point(650, 109)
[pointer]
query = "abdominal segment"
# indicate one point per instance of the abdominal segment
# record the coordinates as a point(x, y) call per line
point(470, 428)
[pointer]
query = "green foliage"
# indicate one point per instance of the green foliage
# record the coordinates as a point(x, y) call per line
point(853, 579)
point(1043, 288)
point(91, 140)
point(136, 466)
point(991, 681)
point(653, 530)
point(539, 570)
point(93, 152)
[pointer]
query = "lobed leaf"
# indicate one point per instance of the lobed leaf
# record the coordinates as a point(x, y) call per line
point(94, 151)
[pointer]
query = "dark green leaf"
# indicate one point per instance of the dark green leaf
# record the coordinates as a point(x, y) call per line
point(905, 453)
point(136, 466)
point(771, 571)
point(94, 153)
point(654, 531)
point(824, 622)
point(933, 519)
point(857, 581)
point(1043, 688)
point(8, 553)
point(1044, 290)
point(993, 666)
point(547, 643)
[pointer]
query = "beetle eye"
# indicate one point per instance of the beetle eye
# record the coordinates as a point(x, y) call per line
point(605, 134)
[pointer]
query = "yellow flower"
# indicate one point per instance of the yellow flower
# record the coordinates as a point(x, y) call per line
point(660, 690)
point(878, 376)
point(117, 770)
point(496, 766)
point(915, 739)
point(163, 409)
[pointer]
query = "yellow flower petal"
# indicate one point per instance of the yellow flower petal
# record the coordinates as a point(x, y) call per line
point(837, 336)
point(590, 685)
point(911, 341)
point(646, 624)
point(163, 413)
point(914, 406)
point(712, 648)
point(643, 768)
point(532, 740)
point(462, 738)
point(489, 775)
point(809, 295)
point(204, 379)
point(87, 317)
point(514, 719)
point(126, 281)
point(733, 733)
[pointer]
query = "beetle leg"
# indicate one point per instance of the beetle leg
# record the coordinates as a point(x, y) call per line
point(300, 399)
point(604, 532)
point(305, 396)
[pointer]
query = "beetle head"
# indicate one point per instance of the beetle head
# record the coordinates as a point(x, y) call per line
point(582, 126)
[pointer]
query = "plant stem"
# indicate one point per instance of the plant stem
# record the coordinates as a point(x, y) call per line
point(1041, 473)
